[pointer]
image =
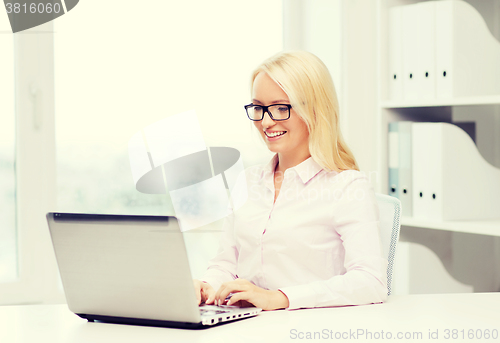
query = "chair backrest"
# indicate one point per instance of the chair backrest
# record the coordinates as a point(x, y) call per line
point(390, 224)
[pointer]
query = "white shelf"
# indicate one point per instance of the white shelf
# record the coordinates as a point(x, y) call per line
point(482, 227)
point(463, 101)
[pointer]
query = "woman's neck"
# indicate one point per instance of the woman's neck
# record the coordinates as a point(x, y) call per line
point(286, 161)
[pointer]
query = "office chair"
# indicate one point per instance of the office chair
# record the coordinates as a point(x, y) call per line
point(390, 215)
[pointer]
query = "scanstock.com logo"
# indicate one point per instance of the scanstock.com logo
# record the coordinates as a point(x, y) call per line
point(25, 14)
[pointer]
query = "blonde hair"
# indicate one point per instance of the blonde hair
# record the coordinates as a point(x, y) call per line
point(309, 86)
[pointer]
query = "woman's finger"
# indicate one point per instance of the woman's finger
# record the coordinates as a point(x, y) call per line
point(217, 294)
point(239, 297)
point(222, 292)
point(232, 287)
point(209, 294)
point(197, 290)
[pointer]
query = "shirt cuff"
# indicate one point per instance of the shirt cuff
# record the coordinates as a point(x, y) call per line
point(301, 296)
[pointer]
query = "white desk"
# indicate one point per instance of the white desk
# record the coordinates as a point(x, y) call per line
point(410, 313)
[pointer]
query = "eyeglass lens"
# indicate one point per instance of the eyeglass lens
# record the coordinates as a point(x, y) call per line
point(278, 112)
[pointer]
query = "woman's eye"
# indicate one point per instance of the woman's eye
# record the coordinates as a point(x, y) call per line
point(282, 108)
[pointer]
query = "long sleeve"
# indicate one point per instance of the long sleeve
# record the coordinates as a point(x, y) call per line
point(222, 267)
point(355, 218)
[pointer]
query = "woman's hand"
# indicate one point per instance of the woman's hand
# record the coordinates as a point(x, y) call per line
point(204, 292)
point(243, 292)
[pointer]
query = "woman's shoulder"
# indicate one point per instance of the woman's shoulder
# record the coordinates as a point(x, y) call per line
point(353, 189)
point(346, 177)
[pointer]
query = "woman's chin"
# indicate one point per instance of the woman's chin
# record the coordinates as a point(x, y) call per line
point(273, 148)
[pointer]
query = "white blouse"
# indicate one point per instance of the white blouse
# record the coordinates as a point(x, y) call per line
point(319, 243)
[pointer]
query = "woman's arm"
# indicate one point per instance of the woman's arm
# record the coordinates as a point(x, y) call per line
point(242, 292)
point(222, 268)
point(356, 220)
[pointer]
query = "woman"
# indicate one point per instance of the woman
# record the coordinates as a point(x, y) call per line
point(308, 235)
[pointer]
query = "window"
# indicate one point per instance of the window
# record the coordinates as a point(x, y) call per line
point(8, 237)
point(128, 65)
point(28, 165)
point(126, 69)
point(101, 73)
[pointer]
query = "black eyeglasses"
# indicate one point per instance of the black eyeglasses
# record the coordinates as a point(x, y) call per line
point(277, 112)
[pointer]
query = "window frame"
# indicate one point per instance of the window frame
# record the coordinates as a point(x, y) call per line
point(35, 168)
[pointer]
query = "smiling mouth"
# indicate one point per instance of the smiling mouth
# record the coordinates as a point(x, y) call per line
point(274, 134)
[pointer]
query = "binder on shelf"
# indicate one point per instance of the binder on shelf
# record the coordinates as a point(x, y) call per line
point(419, 51)
point(444, 50)
point(441, 56)
point(400, 171)
point(426, 67)
point(451, 180)
point(395, 81)
point(427, 171)
point(405, 168)
point(411, 77)
point(393, 160)
point(467, 55)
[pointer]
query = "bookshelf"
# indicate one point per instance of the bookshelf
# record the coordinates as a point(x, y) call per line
point(477, 227)
point(351, 37)
point(451, 110)
point(463, 101)
point(463, 247)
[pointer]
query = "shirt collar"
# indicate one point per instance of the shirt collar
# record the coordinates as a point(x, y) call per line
point(306, 169)
point(270, 166)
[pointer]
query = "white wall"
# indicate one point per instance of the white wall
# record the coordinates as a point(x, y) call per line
point(343, 34)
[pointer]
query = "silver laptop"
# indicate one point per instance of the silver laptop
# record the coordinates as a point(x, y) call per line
point(131, 270)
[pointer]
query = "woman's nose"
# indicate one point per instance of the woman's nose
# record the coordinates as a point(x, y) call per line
point(267, 121)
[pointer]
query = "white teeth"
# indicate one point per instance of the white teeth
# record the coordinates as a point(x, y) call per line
point(275, 134)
